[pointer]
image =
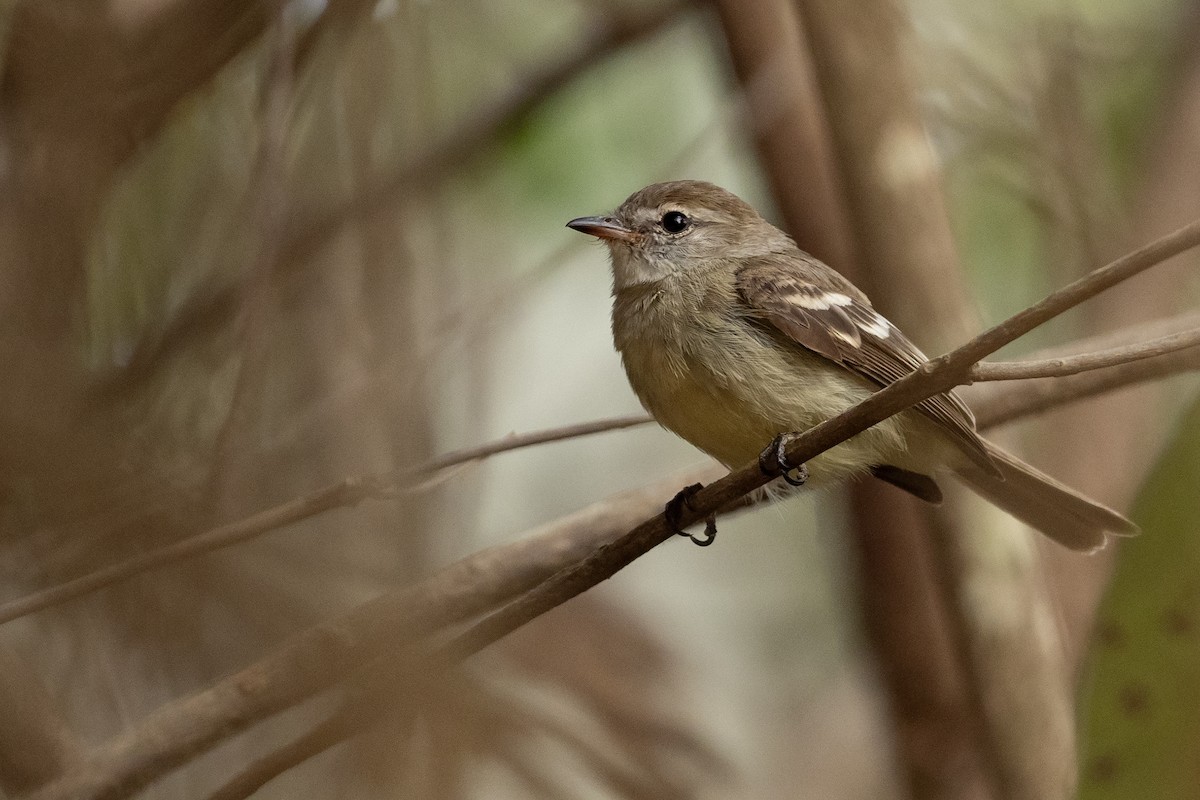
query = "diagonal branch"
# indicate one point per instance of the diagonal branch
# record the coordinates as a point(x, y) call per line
point(1006, 402)
point(342, 494)
point(1063, 366)
point(935, 376)
point(314, 659)
point(1109, 369)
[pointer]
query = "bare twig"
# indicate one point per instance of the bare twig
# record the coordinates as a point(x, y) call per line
point(348, 492)
point(997, 403)
point(343, 494)
point(935, 376)
point(1006, 402)
point(997, 406)
point(315, 659)
point(336, 728)
point(1063, 366)
point(518, 441)
point(1110, 369)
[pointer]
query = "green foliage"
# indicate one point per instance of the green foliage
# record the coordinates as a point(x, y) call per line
point(1142, 708)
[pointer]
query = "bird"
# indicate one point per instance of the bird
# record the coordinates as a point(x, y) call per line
point(732, 337)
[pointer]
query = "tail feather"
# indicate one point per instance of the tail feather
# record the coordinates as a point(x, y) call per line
point(1040, 501)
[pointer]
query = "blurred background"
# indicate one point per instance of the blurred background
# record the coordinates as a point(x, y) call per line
point(249, 249)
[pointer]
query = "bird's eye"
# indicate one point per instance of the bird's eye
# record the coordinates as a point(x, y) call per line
point(674, 222)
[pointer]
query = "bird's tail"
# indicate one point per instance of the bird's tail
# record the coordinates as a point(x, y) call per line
point(1040, 501)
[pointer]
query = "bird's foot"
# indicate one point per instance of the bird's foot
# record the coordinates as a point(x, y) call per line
point(773, 461)
point(674, 512)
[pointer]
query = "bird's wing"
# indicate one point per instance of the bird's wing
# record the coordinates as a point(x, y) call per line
point(820, 310)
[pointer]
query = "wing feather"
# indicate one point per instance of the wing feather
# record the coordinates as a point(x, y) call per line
point(820, 310)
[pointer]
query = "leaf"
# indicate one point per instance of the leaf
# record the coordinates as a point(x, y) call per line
point(1142, 706)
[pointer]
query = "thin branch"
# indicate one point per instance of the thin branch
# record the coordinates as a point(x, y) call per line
point(312, 660)
point(316, 658)
point(339, 726)
point(999, 405)
point(1006, 402)
point(996, 403)
point(1086, 362)
point(935, 376)
point(518, 441)
point(343, 494)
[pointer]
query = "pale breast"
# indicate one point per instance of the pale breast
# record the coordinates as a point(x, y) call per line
point(729, 389)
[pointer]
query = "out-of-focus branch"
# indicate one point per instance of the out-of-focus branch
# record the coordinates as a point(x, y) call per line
point(994, 406)
point(908, 264)
point(314, 659)
point(134, 70)
point(1111, 369)
point(337, 727)
point(141, 64)
point(935, 376)
point(784, 114)
point(468, 141)
point(612, 34)
point(343, 494)
point(397, 687)
point(35, 744)
point(1063, 366)
point(888, 167)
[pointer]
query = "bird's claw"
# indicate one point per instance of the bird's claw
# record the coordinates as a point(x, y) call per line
point(773, 461)
point(674, 512)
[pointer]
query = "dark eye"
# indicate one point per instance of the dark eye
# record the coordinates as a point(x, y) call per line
point(674, 221)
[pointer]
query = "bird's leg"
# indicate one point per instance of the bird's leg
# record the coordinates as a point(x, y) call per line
point(674, 511)
point(773, 461)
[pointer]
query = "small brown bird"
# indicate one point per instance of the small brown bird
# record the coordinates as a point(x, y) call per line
point(731, 335)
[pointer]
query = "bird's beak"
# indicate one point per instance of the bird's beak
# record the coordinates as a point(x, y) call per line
point(603, 228)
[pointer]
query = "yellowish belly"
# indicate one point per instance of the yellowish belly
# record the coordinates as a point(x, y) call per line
point(733, 404)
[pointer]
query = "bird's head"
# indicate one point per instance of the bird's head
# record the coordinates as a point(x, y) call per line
point(668, 228)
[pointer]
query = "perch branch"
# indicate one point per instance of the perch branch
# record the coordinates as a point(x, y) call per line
point(316, 658)
point(935, 376)
point(1107, 370)
point(184, 728)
